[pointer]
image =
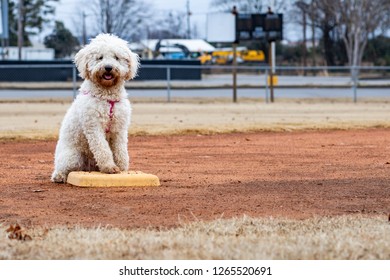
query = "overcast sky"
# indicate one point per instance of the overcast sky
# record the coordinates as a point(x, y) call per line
point(67, 12)
point(198, 8)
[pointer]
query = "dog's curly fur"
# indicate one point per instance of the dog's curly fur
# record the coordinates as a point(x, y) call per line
point(93, 134)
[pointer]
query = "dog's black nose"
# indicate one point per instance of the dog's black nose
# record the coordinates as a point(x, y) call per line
point(108, 68)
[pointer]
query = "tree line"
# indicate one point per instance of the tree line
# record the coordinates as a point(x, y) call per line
point(132, 20)
point(333, 32)
point(339, 32)
point(344, 27)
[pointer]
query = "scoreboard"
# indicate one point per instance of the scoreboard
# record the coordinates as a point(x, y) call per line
point(267, 27)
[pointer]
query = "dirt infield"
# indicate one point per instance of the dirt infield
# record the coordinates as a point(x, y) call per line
point(297, 174)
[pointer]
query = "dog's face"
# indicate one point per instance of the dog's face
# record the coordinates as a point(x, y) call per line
point(107, 60)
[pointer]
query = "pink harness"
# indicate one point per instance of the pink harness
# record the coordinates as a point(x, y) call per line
point(111, 113)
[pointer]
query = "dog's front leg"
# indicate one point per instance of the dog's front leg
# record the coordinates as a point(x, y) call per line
point(100, 148)
point(119, 148)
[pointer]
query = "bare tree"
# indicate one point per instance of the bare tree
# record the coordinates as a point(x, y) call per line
point(307, 10)
point(243, 6)
point(320, 17)
point(249, 6)
point(312, 13)
point(349, 21)
point(385, 26)
point(125, 18)
point(303, 9)
point(171, 25)
point(356, 20)
point(324, 19)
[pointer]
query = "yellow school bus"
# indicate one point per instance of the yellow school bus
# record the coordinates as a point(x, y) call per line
point(226, 56)
point(252, 56)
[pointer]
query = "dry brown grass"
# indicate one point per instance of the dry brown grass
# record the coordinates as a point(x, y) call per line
point(345, 237)
point(42, 120)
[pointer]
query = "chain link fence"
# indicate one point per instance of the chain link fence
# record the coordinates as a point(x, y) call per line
point(170, 83)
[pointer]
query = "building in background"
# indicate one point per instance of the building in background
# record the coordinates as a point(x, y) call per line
point(28, 53)
point(173, 48)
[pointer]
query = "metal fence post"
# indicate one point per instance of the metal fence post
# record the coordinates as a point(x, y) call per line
point(74, 72)
point(266, 86)
point(234, 72)
point(168, 83)
point(354, 83)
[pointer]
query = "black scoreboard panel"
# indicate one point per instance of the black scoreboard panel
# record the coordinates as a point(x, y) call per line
point(259, 27)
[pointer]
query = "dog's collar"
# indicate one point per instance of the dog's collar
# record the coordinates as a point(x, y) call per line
point(111, 112)
point(86, 92)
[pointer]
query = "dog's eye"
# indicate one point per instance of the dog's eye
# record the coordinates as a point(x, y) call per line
point(116, 58)
point(100, 57)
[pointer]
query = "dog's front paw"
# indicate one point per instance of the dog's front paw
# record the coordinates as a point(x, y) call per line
point(110, 169)
point(58, 177)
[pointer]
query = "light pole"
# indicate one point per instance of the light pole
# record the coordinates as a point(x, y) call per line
point(188, 20)
point(20, 28)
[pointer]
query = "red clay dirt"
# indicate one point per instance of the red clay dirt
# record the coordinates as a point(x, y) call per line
point(204, 177)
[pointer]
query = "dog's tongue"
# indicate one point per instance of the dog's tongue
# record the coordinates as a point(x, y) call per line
point(107, 76)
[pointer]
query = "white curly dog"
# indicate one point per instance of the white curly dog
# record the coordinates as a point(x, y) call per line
point(93, 134)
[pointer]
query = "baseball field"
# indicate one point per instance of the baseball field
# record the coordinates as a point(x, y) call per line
point(290, 180)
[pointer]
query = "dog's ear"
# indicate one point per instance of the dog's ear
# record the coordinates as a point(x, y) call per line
point(133, 64)
point(81, 62)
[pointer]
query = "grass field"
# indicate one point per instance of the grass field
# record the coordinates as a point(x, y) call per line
point(320, 238)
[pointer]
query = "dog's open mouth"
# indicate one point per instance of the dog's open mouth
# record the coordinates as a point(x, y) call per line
point(108, 76)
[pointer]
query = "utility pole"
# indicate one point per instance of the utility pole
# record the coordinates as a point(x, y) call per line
point(188, 20)
point(304, 42)
point(108, 17)
point(20, 28)
point(271, 61)
point(5, 28)
point(304, 7)
point(234, 70)
point(313, 34)
point(84, 30)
